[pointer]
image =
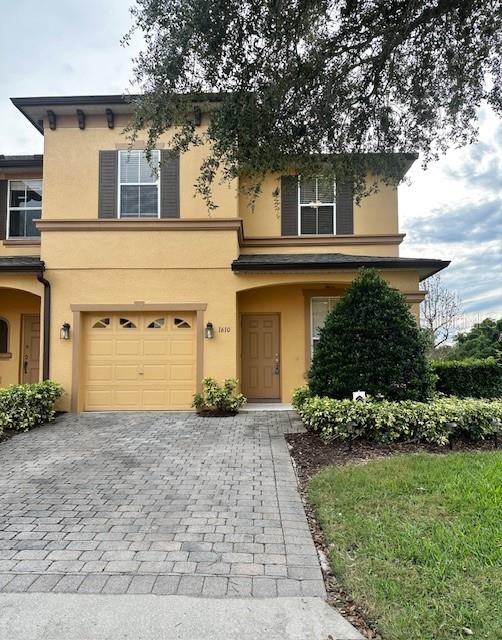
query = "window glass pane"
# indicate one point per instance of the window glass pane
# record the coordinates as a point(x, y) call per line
point(147, 171)
point(307, 190)
point(129, 166)
point(148, 205)
point(16, 224)
point(325, 190)
point(17, 193)
point(4, 336)
point(34, 193)
point(320, 310)
point(31, 229)
point(325, 218)
point(129, 200)
point(308, 217)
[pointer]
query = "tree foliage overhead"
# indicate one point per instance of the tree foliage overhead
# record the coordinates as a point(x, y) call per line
point(371, 342)
point(317, 80)
point(482, 341)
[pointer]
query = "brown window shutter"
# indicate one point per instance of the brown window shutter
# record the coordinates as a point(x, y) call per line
point(289, 205)
point(344, 208)
point(169, 185)
point(3, 209)
point(108, 176)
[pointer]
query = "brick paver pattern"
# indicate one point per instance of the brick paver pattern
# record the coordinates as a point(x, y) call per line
point(166, 503)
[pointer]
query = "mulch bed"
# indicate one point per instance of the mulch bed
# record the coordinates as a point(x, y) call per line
point(310, 455)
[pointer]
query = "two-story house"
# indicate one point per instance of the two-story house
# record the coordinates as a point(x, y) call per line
point(118, 283)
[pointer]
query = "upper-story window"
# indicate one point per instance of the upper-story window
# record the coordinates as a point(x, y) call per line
point(25, 206)
point(138, 185)
point(316, 206)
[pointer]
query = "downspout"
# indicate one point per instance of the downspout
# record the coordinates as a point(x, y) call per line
point(47, 324)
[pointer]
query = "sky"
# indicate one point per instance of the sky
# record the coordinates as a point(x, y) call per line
point(451, 210)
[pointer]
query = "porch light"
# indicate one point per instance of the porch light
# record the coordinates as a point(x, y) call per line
point(64, 332)
point(209, 331)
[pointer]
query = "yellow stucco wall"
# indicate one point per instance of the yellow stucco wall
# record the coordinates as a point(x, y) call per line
point(13, 304)
point(71, 163)
point(376, 214)
point(174, 266)
point(292, 302)
point(215, 286)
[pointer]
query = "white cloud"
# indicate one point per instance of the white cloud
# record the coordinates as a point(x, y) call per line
point(61, 48)
point(453, 210)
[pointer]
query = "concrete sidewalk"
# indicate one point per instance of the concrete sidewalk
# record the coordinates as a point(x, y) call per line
point(36, 616)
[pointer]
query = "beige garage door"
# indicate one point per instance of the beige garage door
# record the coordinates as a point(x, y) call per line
point(139, 361)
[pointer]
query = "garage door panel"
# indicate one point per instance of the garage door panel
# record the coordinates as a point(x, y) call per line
point(181, 372)
point(100, 347)
point(182, 347)
point(154, 372)
point(100, 373)
point(155, 398)
point(149, 364)
point(126, 372)
point(180, 398)
point(128, 347)
point(98, 398)
point(155, 347)
point(127, 397)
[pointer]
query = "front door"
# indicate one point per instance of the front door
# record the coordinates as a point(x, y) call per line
point(260, 357)
point(31, 349)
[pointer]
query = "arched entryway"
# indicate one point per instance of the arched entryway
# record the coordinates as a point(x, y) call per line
point(277, 326)
point(20, 337)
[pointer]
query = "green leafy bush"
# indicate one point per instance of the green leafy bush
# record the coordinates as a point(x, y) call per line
point(221, 398)
point(25, 406)
point(371, 341)
point(300, 395)
point(469, 378)
point(386, 421)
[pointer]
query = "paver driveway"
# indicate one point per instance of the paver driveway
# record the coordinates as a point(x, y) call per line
point(161, 502)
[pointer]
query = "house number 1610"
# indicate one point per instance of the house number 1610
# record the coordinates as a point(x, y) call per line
point(223, 329)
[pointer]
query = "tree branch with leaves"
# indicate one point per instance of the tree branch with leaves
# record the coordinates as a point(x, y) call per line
point(332, 87)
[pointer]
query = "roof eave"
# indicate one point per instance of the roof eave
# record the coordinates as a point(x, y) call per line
point(302, 267)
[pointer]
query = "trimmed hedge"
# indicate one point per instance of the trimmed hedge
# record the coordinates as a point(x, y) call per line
point(469, 378)
point(385, 421)
point(371, 341)
point(25, 406)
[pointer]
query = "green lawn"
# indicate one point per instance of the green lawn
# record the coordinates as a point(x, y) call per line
point(416, 539)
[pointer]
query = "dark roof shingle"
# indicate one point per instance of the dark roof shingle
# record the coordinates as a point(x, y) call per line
point(332, 262)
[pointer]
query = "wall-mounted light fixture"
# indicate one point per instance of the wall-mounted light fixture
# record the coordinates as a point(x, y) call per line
point(64, 332)
point(209, 331)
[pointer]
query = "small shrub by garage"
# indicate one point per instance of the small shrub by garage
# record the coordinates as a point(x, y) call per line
point(385, 421)
point(217, 399)
point(25, 406)
point(469, 378)
point(371, 341)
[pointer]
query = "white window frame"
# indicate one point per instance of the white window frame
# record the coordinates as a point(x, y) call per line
point(9, 208)
point(331, 300)
point(316, 204)
point(136, 184)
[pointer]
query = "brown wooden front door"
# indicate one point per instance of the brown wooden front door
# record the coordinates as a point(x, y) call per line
point(31, 349)
point(260, 357)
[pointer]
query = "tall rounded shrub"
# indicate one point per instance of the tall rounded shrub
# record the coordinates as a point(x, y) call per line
point(372, 342)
